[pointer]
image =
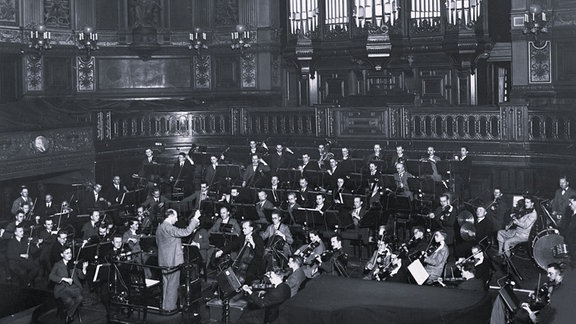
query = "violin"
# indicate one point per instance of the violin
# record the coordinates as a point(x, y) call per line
point(307, 251)
point(431, 249)
point(517, 215)
point(540, 298)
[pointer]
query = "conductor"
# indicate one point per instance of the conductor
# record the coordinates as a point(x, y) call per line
point(170, 254)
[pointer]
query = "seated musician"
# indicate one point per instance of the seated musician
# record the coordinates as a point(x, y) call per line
point(512, 236)
point(321, 205)
point(306, 167)
point(20, 260)
point(144, 221)
point(399, 157)
point(570, 231)
point(132, 237)
point(90, 228)
point(416, 245)
point(310, 251)
point(155, 203)
point(303, 194)
point(266, 304)
point(56, 248)
point(44, 240)
point(436, 256)
point(120, 251)
point(297, 277)
point(338, 191)
point(538, 309)
point(324, 156)
point(292, 205)
point(251, 258)
point(262, 206)
point(338, 260)
point(376, 156)
point(48, 207)
point(484, 227)
point(115, 191)
point(198, 196)
point(332, 174)
point(276, 196)
point(225, 224)
point(470, 282)
point(68, 288)
point(382, 264)
point(19, 220)
point(358, 211)
point(18, 202)
point(401, 178)
point(278, 240)
point(345, 162)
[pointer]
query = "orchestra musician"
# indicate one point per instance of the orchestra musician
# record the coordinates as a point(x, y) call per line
point(306, 168)
point(210, 171)
point(321, 205)
point(182, 174)
point(115, 191)
point(253, 254)
point(432, 158)
point(171, 255)
point(337, 261)
point(497, 210)
point(262, 206)
point(436, 256)
point(340, 189)
point(559, 204)
point(197, 197)
point(310, 251)
point(279, 160)
point(18, 202)
point(333, 173)
point(267, 304)
point(48, 207)
point(471, 282)
point(373, 184)
point(45, 238)
point(90, 228)
point(144, 220)
point(155, 204)
point(345, 162)
point(278, 240)
point(377, 156)
point(512, 236)
point(256, 173)
point(291, 206)
point(20, 260)
point(297, 277)
point(401, 179)
point(254, 148)
point(399, 157)
point(358, 211)
point(149, 166)
point(95, 200)
point(570, 232)
point(379, 262)
point(225, 223)
point(462, 172)
point(303, 195)
point(537, 309)
point(445, 218)
point(19, 220)
point(276, 196)
point(68, 288)
point(483, 225)
point(324, 156)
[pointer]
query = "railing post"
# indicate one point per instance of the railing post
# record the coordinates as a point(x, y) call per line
point(514, 126)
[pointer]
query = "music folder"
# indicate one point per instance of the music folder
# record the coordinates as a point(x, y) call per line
point(418, 272)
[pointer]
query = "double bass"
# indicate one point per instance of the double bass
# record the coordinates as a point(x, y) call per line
point(243, 260)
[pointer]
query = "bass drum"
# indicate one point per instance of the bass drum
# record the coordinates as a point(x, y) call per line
point(543, 246)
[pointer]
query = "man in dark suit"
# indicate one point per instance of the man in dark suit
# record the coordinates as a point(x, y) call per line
point(358, 211)
point(276, 196)
point(170, 254)
point(292, 205)
point(95, 200)
point(90, 228)
point(444, 218)
point(115, 191)
point(149, 167)
point(68, 288)
point(269, 304)
point(338, 191)
point(281, 159)
point(210, 171)
point(401, 179)
point(262, 206)
point(256, 173)
point(303, 195)
point(47, 207)
point(20, 260)
point(252, 244)
point(559, 204)
point(399, 157)
point(308, 169)
point(155, 204)
point(182, 174)
point(273, 234)
point(377, 156)
point(197, 197)
point(462, 172)
point(332, 174)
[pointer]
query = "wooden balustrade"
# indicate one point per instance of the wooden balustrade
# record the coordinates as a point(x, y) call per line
point(507, 123)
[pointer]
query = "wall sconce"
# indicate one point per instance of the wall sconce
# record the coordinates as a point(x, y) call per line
point(40, 40)
point(88, 41)
point(535, 22)
point(198, 41)
point(241, 39)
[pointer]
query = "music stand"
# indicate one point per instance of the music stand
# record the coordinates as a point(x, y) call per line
point(88, 252)
point(372, 218)
point(229, 172)
point(343, 218)
point(201, 158)
point(207, 207)
point(311, 217)
point(248, 212)
point(388, 181)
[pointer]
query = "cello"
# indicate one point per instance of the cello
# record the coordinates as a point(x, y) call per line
point(243, 260)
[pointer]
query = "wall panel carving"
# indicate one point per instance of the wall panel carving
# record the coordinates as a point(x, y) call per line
point(137, 74)
point(57, 13)
point(248, 70)
point(9, 13)
point(540, 62)
point(202, 71)
point(85, 74)
point(34, 73)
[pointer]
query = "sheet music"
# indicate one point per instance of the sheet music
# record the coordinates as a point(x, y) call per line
point(418, 272)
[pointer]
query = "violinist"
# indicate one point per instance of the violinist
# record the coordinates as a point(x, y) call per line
point(537, 307)
point(18, 202)
point(297, 277)
point(95, 200)
point(20, 260)
point(279, 239)
point(436, 256)
point(267, 305)
point(309, 251)
point(416, 245)
point(471, 282)
point(90, 228)
point(522, 222)
point(251, 259)
point(19, 221)
point(444, 218)
point(497, 210)
point(68, 288)
point(48, 207)
point(334, 262)
point(383, 263)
